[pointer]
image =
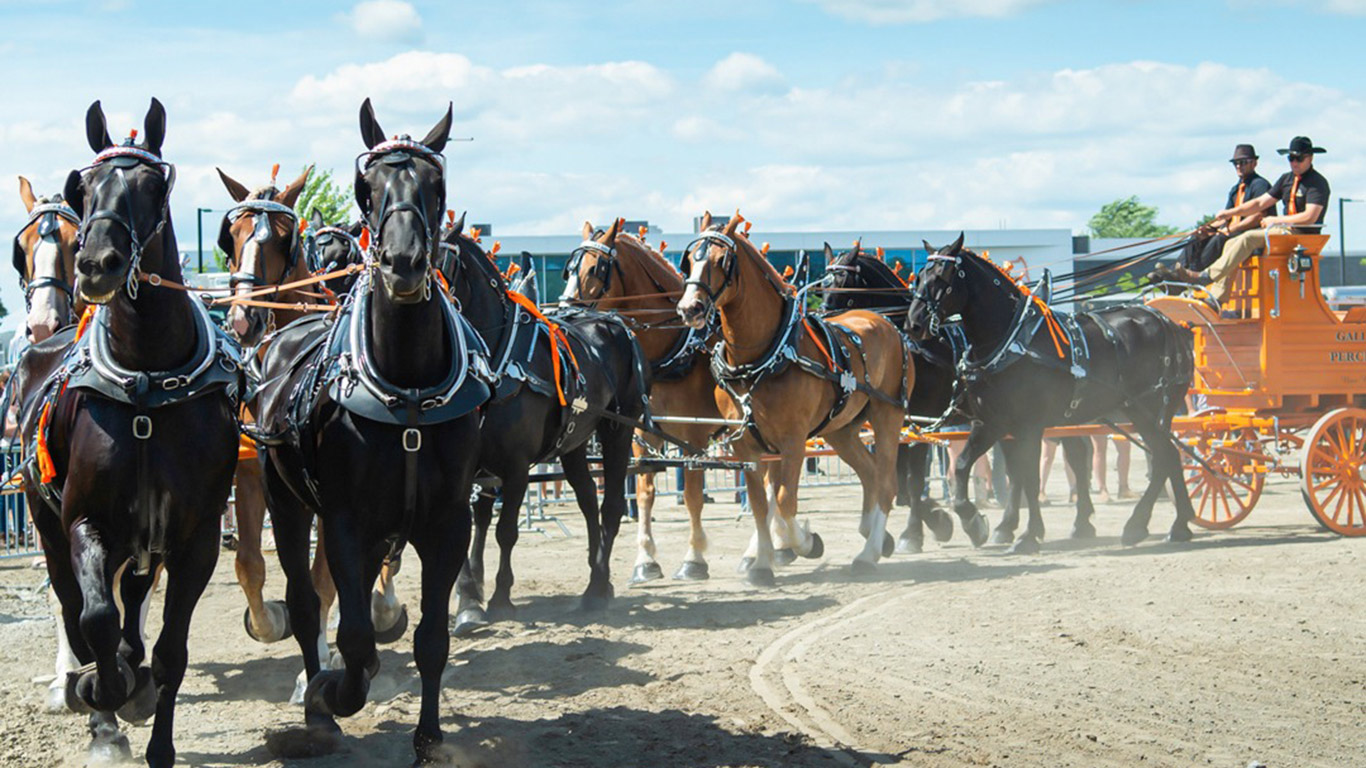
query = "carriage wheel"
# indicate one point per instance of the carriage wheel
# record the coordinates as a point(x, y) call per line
point(1333, 471)
point(1226, 495)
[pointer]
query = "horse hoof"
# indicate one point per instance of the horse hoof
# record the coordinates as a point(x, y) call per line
point(55, 703)
point(501, 610)
point(304, 743)
point(1027, 545)
point(863, 568)
point(784, 556)
point(940, 524)
point(470, 621)
point(395, 631)
point(691, 570)
point(72, 700)
point(977, 529)
point(321, 694)
point(646, 572)
point(817, 547)
point(910, 545)
point(88, 680)
point(888, 544)
point(1084, 530)
point(278, 614)
point(760, 577)
point(1001, 536)
point(595, 602)
point(1179, 534)
point(746, 563)
point(142, 702)
point(1132, 536)
point(109, 750)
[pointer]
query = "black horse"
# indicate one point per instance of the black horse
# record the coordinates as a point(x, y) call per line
point(860, 280)
point(371, 423)
point(1028, 368)
point(130, 437)
point(605, 383)
point(329, 248)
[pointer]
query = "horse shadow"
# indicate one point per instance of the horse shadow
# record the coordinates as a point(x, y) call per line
point(271, 679)
point(656, 609)
point(1244, 537)
point(921, 571)
point(545, 669)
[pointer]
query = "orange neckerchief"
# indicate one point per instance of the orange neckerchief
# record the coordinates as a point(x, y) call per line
point(1237, 201)
point(47, 469)
point(830, 361)
point(1291, 208)
point(557, 338)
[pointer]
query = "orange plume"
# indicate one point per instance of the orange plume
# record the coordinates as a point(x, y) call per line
point(642, 232)
point(497, 246)
point(133, 134)
point(474, 234)
point(513, 269)
point(788, 272)
point(274, 171)
point(881, 253)
point(662, 246)
point(364, 239)
point(303, 226)
point(450, 216)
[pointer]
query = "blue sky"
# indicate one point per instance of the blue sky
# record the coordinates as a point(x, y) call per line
point(805, 114)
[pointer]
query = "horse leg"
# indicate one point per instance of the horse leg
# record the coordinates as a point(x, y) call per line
point(1078, 451)
point(470, 616)
point(576, 472)
point(390, 617)
point(1004, 532)
point(321, 578)
point(873, 520)
point(514, 491)
point(979, 441)
point(446, 535)
point(647, 567)
point(1155, 440)
point(694, 565)
point(65, 665)
point(780, 528)
point(265, 622)
point(1024, 477)
point(616, 459)
point(759, 569)
point(189, 568)
point(106, 688)
point(924, 512)
point(355, 566)
point(135, 590)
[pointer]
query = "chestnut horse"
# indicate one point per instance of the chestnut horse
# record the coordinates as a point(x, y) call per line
point(45, 258)
point(614, 270)
point(788, 377)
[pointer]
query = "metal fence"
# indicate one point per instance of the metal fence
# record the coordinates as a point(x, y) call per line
point(16, 532)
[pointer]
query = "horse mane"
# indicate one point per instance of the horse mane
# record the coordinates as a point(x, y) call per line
point(476, 253)
point(890, 279)
point(769, 271)
point(652, 261)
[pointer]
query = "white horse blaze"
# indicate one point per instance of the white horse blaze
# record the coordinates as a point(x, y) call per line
point(237, 316)
point(49, 304)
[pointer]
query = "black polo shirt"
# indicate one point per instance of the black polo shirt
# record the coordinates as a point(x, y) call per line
point(1256, 187)
point(1313, 189)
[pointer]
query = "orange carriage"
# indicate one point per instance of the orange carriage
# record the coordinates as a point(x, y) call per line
point(1280, 386)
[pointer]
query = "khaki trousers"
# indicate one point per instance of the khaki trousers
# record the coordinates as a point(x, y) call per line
point(1236, 251)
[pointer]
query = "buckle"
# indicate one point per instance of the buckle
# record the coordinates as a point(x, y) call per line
point(412, 440)
point(142, 426)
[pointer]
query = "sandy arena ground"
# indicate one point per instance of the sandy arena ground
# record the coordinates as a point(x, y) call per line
point(1242, 647)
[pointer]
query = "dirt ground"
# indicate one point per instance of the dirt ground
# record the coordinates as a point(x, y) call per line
point(1243, 647)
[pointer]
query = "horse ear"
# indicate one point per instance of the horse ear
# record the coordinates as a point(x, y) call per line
point(316, 219)
point(97, 129)
point(706, 221)
point(613, 231)
point(436, 138)
point(291, 193)
point(733, 224)
point(858, 246)
point(829, 253)
point(370, 132)
point(235, 188)
point(26, 194)
point(929, 248)
point(459, 225)
point(957, 244)
point(154, 127)
point(73, 195)
point(587, 230)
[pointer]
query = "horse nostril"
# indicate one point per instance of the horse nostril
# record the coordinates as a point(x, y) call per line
point(110, 263)
point(386, 258)
point(420, 262)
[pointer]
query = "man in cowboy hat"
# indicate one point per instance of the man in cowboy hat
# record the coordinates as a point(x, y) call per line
point(1304, 194)
point(1208, 243)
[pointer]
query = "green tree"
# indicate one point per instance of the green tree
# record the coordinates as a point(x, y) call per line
point(1127, 217)
point(325, 195)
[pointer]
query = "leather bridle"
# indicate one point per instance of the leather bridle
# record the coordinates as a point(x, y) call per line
point(45, 216)
point(606, 264)
point(700, 246)
point(120, 158)
point(401, 153)
point(921, 294)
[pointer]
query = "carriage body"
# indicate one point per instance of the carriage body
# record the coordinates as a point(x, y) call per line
point(1280, 386)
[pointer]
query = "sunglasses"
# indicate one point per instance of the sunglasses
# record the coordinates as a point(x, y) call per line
point(1241, 163)
point(1296, 158)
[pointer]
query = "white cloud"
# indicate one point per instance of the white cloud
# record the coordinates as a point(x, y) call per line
point(744, 72)
point(387, 20)
point(921, 11)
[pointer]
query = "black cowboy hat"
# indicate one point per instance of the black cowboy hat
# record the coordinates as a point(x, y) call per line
point(1244, 152)
point(1301, 145)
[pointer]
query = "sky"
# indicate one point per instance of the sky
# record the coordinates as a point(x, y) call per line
point(858, 115)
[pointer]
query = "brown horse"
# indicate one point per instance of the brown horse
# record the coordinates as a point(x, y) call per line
point(614, 270)
point(788, 377)
point(261, 238)
point(45, 258)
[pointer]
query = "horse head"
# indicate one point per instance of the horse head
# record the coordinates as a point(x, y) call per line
point(401, 190)
point(329, 248)
point(123, 199)
point(588, 272)
point(260, 236)
point(941, 290)
point(709, 263)
point(45, 258)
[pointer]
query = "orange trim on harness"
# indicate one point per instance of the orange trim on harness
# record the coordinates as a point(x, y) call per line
point(246, 449)
point(557, 337)
point(830, 361)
